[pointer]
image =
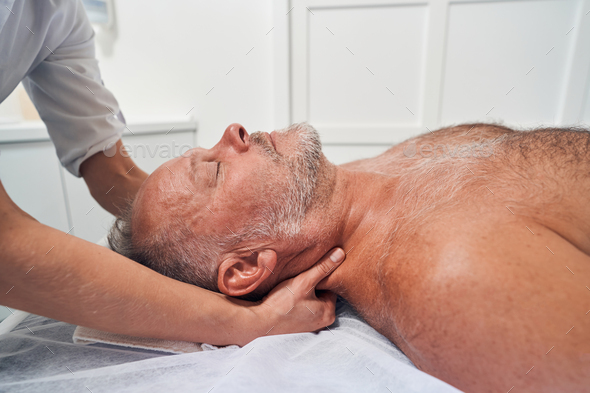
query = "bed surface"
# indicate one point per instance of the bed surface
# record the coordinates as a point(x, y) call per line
point(350, 356)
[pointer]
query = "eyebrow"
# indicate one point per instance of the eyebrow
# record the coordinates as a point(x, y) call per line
point(193, 172)
point(193, 167)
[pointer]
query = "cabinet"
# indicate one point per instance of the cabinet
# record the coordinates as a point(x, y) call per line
point(35, 180)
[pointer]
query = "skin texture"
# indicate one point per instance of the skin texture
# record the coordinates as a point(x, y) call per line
point(214, 187)
point(112, 180)
point(491, 292)
point(50, 273)
point(477, 268)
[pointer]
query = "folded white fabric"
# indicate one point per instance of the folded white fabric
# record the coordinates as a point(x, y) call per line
point(350, 357)
point(85, 336)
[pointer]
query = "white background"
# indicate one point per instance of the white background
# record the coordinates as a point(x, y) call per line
point(446, 62)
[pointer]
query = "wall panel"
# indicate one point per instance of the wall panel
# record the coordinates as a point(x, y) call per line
point(509, 56)
point(341, 154)
point(522, 62)
point(356, 55)
point(30, 173)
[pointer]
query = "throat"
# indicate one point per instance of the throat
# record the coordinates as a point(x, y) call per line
point(371, 277)
point(368, 231)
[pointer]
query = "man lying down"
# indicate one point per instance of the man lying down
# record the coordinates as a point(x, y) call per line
point(468, 247)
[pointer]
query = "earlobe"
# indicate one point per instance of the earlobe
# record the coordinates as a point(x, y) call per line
point(238, 276)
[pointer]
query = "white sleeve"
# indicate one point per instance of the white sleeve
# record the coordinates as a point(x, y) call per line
point(81, 115)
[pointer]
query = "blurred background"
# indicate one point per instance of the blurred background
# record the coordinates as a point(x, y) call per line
point(366, 74)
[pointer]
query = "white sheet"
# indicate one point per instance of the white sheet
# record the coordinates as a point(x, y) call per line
point(350, 357)
point(84, 336)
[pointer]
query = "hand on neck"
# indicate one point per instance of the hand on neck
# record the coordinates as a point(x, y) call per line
point(352, 218)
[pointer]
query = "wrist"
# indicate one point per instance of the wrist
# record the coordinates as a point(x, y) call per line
point(253, 320)
point(113, 187)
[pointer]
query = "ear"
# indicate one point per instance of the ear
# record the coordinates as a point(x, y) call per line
point(238, 276)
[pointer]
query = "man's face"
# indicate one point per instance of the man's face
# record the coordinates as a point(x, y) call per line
point(259, 185)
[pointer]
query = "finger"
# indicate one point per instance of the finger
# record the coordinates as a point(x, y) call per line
point(323, 268)
point(329, 300)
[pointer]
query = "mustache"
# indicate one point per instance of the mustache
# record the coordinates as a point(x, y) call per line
point(259, 139)
point(308, 143)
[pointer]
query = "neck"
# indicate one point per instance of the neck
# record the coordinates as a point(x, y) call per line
point(356, 217)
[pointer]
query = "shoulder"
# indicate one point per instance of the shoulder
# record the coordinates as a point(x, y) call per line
point(57, 19)
point(52, 10)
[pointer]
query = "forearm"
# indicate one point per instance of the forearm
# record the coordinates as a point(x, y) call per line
point(112, 180)
point(49, 273)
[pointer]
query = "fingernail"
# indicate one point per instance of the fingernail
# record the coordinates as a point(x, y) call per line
point(337, 256)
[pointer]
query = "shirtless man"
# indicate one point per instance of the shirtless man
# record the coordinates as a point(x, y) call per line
point(469, 248)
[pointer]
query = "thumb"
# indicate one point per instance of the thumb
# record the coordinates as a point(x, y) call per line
point(329, 298)
point(323, 268)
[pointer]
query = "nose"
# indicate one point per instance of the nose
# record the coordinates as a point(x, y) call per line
point(236, 137)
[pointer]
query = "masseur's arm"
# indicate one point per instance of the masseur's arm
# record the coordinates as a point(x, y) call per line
point(50, 273)
point(112, 180)
point(82, 116)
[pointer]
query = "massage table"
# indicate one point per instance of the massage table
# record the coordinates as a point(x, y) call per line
point(38, 355)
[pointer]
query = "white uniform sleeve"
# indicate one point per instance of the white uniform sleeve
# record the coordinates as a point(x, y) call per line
point(81, 115)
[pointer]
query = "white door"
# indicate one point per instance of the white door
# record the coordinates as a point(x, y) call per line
point(368, 74)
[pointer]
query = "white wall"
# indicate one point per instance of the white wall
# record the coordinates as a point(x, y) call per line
point(168, 56)
point(337, 64)
point(446, 61)
point(368, 74)
point(161, 63)
point(509, 56)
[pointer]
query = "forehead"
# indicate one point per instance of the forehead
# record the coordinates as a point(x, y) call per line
point(180, 190)
point(162, 183)
point(162, 194)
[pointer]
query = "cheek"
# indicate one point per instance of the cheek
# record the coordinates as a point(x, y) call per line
point(245, 185)
point(251, 188)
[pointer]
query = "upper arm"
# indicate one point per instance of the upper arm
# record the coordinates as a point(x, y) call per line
point(493, 311)
point(67, 90)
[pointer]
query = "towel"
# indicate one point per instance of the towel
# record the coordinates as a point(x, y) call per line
point(304, 362)
point(85, 336)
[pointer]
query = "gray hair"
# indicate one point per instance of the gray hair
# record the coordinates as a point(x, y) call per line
point(174, 250)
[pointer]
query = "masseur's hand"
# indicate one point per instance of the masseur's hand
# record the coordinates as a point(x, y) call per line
point(293, 307)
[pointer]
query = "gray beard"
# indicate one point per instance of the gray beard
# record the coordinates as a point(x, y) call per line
point(283, 217)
